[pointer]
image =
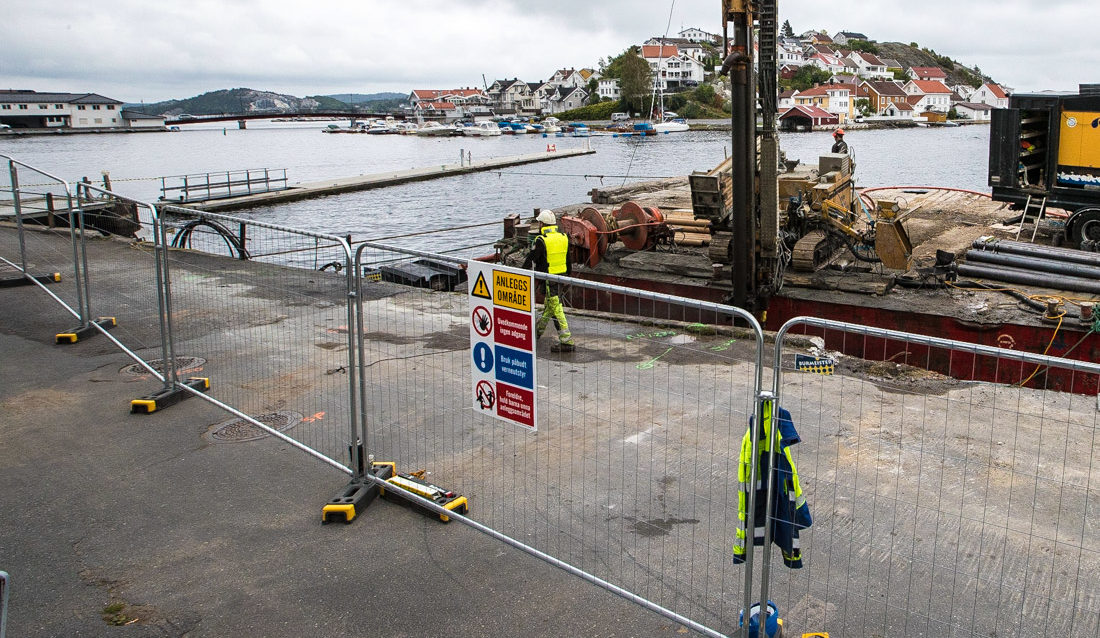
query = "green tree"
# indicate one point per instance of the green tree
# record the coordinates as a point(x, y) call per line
point(863, 105)
point(614, 67)
point(704, 94)
point(593, 89)
point(635, 81)
point(807, 76)
point(787, 31)
point(863, 45)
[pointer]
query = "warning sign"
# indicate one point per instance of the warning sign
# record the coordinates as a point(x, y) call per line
point(512, 290)
point(513, 329)
point(480, 289)
point(516, 404)
point(502, 343)
point(482, 320)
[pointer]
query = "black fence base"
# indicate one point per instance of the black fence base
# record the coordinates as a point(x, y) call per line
point(168, 397)
point(76, 334)
point(26, 280)
point(355, 497)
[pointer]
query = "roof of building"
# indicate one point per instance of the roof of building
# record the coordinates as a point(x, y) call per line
point(650, 51)
point(901, 106)
point(34, 97)
point(996, 90)
point(830, 60)
point(129, 114)
point(436, 106)
point(852, 34)
point(787, 94)
point(885, 87)
point(975, 106)
point(817, 91)
point(869, 58)
point(507, 84)
point(931, 86)
point(929, 72)
point(810, 111)
point(891, 63)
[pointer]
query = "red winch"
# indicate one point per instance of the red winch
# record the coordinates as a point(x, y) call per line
point(590, 232)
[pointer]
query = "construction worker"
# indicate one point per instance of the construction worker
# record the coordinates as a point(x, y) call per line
point(550, 254)
point(839, 146)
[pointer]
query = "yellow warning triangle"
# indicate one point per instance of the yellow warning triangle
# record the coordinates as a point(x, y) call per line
point(480, 288)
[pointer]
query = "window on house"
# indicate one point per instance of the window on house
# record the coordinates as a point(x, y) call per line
point(95, 107)
point(22, 107)
point(59, 106)
point(99, 120)
point(110, 107)
point(81, 107)
point(43, 106)
point(6, 107)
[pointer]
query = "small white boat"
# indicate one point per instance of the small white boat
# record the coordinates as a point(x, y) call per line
point(407, 128)
point(484, 129)
point(672, 125)
point(435, 129)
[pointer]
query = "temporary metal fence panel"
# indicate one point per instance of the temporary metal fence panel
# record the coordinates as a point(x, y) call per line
point(631, 476)
point(940, 507)
point(40, 242)
point(263, 311)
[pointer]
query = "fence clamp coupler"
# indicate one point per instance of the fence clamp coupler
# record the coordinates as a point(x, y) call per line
point(356, 495)
point(168, 396)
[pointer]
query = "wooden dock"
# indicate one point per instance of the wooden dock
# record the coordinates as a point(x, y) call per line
point(307, 190)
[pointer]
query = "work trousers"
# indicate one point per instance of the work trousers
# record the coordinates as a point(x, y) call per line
point(552, 309)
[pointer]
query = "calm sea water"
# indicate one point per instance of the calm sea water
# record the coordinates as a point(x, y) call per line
point(926, 156)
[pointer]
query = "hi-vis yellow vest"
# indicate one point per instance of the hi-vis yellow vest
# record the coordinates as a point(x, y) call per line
point(557, 250)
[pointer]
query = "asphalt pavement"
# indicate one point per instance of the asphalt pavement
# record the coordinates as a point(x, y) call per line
point(139, 525)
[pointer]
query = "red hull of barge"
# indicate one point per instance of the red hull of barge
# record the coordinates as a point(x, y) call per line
point(959, 365)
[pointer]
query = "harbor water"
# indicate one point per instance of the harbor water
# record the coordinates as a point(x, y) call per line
point(947, 156)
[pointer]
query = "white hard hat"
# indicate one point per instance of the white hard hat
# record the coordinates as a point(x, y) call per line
point(547, 217)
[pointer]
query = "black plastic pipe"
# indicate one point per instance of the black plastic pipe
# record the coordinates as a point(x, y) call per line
point(1045, 280)
point(1032, 250)
point(1033, 263)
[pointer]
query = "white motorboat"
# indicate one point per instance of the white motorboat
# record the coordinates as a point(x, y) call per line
point(672, 125)
point(435, 129)
point(484, 129)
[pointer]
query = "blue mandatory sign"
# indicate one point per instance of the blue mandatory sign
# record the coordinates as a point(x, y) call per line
point(483, 357)
point(515, 367)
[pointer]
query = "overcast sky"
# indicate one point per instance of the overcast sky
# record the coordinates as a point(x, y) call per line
point(142, 50)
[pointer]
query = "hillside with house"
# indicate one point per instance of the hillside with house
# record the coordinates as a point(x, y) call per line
point(833, 80)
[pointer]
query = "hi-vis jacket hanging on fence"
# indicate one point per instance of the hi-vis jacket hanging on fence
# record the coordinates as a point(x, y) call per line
point(789, 511)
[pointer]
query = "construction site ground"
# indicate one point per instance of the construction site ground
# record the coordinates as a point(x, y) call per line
point(113, 517)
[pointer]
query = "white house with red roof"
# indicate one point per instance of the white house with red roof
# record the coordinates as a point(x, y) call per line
point(926, 73)
point(830, 63)
point(790, 55)
point(450, 102)
point(567, 77)
point(974, 111)
point(899, 110)
point(992, 94)
point(933, 95)
point(670, 67)
point(869, 66)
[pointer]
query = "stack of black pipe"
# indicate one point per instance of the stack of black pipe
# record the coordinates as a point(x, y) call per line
point(1029, 264)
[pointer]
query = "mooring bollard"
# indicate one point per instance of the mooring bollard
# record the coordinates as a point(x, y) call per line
point(461, 157)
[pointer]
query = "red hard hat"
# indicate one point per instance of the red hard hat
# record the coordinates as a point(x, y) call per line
point(839, 131)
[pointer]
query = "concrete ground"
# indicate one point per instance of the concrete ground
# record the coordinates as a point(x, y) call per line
point(111, 518)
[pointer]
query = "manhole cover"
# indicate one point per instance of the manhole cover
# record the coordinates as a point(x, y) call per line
point(183, 364)
point(238, 430)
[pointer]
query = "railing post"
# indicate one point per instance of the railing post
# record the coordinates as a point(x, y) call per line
point(14, 172)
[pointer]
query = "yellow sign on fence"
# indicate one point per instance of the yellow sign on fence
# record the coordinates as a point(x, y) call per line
point(511, 290)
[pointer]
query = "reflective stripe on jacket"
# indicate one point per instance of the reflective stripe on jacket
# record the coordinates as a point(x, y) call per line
point(789, 512)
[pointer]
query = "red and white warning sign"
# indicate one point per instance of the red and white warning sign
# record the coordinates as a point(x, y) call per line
point(502, 343)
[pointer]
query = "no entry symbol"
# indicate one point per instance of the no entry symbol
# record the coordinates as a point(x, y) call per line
point(483, 321)
point(484, 395)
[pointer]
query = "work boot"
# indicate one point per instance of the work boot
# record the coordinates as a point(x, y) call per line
point(563, 347)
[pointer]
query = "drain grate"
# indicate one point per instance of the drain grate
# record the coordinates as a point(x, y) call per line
point(183, 364)
point(239, 430)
